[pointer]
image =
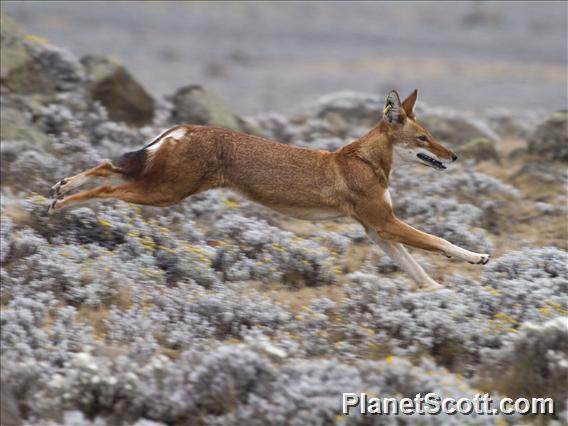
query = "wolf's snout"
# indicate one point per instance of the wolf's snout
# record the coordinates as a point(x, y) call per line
point(454, 157)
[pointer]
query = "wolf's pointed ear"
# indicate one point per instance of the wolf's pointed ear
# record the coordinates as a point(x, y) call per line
point(394, 112)
point(408, 103)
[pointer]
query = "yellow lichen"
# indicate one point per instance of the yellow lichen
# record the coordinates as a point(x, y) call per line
point(151, 273)
point(99, 335)
point(232, 204)
point(167, 249)
point(501, 421)
point(197, 251)
point(557, 307)
point(104, 222)
point(148, 243)
point(146, 305)
point(493, 291)
point(505, 318)
point(277, 247)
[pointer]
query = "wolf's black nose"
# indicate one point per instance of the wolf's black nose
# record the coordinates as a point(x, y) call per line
point(454, 157)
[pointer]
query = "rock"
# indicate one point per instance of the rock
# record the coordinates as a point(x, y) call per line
point(351, 107)
point(337, 124)
point(454, 131)
point(480, 149)
point(550, 138)
point(323, 143)
point(278, 127)
point(249, 126)
point(30, 65)
point(115, 88)
point(196, 105)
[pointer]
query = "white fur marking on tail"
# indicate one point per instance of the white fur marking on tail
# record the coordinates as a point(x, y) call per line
point(153, 148)
point(160, 136)
point(176, 134)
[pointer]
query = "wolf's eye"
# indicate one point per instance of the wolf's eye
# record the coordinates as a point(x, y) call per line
point(423, 138)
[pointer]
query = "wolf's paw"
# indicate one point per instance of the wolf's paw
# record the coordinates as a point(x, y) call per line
point(430, 285)
point(59, 188)
point(479, 259)
point(52, 207)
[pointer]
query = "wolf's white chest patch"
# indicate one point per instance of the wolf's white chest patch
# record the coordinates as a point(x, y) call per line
point(387, 197)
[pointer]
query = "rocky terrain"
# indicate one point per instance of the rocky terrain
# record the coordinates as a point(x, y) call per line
point(218, 311)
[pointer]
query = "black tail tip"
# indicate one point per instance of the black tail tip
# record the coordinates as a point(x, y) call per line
point(132, 164)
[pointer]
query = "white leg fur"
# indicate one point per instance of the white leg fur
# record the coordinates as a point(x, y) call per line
point(68, 184)
point(463, 254)
point(404, 260)
point(425, 279)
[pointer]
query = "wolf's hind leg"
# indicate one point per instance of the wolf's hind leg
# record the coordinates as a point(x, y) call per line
point(131, 192)
point(62, 187)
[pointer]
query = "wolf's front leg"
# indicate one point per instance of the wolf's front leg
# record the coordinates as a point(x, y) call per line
point(427, 281)
point(398, 231)
point(463, 254)
point(404, 260)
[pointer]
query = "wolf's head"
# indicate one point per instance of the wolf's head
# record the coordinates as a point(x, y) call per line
point(412, 142)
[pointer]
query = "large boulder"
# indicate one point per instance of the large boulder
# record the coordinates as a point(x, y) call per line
point(115, 88)
point(550, 138)
point(30, 65)
point(195, 105)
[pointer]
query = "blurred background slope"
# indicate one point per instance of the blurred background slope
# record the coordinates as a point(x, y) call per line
point(266, 56)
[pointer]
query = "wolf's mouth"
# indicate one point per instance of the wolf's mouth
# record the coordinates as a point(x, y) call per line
point(433, 162)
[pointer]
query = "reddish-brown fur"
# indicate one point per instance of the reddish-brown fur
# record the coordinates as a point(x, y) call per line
point(309, 184)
